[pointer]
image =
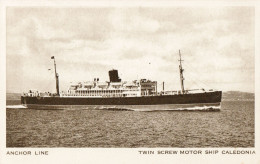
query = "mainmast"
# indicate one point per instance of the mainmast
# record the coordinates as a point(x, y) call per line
point(181, 74)
point(56, 77)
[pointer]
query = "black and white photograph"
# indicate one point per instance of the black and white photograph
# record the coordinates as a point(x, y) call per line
point(138, 77)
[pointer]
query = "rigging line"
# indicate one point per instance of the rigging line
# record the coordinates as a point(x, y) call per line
point(197, 72)
point(192, 83)
point(191, 67)
point(201, 84)
point(196, 80)
point(194, 70)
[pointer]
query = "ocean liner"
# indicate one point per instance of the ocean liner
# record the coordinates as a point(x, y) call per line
point(117, 94)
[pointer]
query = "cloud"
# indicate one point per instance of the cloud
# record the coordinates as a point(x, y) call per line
point(129, 21)
point(217, 44)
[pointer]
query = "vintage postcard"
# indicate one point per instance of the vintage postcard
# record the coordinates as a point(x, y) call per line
point(129, 82)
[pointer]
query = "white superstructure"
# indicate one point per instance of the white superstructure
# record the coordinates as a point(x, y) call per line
point(96, 88)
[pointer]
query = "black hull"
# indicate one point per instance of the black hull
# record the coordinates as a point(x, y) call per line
point(185, 99)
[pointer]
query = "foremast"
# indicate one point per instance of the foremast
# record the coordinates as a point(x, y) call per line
point(56, 77)
point(181, 74)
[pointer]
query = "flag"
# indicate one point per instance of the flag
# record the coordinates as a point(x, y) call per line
point(52, 57)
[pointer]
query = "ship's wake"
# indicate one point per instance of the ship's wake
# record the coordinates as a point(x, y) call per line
point(195, 108)
point(15, 106)
point(137, 108)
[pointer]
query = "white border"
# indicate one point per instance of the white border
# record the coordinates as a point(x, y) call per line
point(122, 155)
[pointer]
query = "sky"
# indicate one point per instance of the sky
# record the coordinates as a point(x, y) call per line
point(217, 45)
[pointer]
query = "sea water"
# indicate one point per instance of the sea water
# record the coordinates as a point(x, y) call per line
point(232, 126)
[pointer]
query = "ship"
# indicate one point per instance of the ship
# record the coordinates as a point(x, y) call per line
point(139, 94)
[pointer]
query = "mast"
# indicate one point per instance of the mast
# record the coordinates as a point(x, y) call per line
point(56, 77)
point(163, 86)
point(181, 74)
